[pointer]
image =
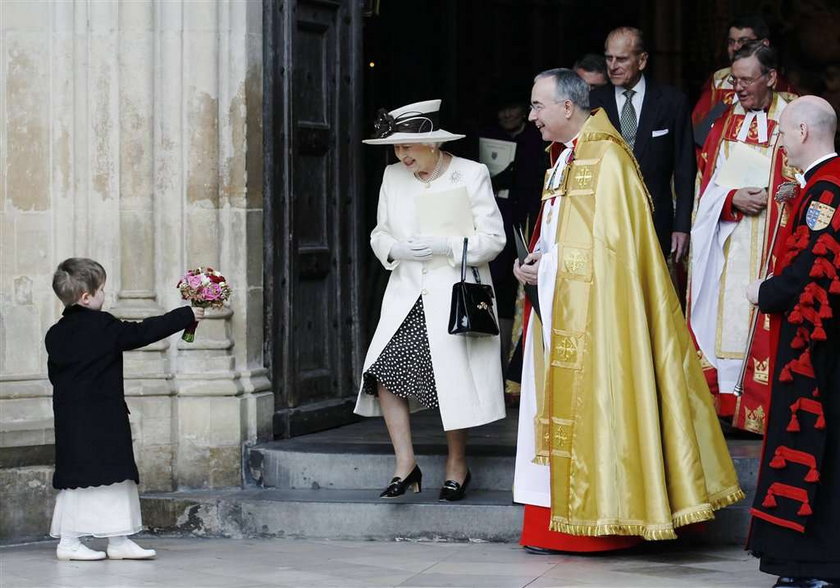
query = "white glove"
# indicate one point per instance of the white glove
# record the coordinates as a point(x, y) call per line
point(437, 245)
point(410, 251)
point(752, 291)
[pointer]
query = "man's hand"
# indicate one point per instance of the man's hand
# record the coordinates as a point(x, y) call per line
point(679, 245)
point(750, 201)
point(198, 313)
point(752, 291)
point(527, 273)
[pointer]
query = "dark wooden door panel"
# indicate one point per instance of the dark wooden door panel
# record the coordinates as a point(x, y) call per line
point(312, 66)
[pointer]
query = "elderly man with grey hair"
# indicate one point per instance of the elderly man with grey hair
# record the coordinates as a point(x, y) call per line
point(618, 439)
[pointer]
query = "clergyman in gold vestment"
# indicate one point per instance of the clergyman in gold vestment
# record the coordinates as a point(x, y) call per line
point(617, 431)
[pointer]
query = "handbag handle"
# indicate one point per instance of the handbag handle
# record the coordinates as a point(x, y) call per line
point(464, 266)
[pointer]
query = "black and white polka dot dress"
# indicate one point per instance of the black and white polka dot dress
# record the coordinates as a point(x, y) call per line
point(405, 365)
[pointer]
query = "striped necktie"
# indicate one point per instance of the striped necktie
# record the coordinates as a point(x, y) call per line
point(628, 119)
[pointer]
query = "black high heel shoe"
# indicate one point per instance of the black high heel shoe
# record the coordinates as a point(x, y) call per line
point(398, 486)
point(453, 491)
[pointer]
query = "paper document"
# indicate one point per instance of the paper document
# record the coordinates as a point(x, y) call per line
point(744, 168)
point(445, 214)
point(496, 154)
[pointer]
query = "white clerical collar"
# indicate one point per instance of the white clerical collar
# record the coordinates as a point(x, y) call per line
point(744, 131)
point(558, 170)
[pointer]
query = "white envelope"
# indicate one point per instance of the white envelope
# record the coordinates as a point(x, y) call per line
point(744, 168)
point(496, 154)
point(445, 214)
point(659, 133)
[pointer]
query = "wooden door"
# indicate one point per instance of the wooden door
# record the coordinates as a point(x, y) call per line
point(312, 52)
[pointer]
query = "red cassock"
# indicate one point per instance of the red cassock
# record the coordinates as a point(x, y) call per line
point(748, 411)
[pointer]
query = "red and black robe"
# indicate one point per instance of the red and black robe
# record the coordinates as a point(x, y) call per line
point(797, 506)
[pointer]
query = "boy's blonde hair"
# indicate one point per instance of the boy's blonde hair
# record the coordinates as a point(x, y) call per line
point(75, 276)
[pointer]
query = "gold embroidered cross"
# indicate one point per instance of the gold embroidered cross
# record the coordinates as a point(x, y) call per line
point(560, 435)
point(575, 261)
point(566, 349)
point(583, 177)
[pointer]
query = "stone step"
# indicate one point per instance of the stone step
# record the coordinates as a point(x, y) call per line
point(282, 467)
point(361, 515)
point(359, 456)
point(326, 486)
point(334, 514)
point(279, 466)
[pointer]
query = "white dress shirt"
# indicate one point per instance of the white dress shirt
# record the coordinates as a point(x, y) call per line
point(638, 97)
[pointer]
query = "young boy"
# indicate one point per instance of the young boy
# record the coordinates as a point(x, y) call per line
point(95, 471)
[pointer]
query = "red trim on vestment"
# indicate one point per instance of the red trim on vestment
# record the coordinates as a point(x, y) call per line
point(729, 212)
point(725, 404)
point(760, 514)
point(787, 491)
point(535, 533)
point(784, 454)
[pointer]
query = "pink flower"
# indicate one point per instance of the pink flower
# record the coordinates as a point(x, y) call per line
point(212, 292)
point(204, 287)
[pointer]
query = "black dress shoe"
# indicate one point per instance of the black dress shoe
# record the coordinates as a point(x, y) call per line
point(398, 486)
point(541, 550)
point(452, 490)
point(784, 582)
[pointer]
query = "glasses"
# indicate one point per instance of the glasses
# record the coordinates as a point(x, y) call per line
point(740, 40)
point(745, 82)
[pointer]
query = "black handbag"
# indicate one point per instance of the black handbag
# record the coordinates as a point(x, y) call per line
point(471, 312)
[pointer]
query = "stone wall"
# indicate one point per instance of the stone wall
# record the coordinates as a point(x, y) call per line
point(130, 132)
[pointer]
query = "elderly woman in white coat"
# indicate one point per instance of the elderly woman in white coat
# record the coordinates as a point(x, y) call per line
point(413, 362)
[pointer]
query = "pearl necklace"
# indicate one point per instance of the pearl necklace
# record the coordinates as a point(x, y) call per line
point(434, 174)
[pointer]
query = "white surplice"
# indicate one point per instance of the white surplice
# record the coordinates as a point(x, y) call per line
point(531, 482)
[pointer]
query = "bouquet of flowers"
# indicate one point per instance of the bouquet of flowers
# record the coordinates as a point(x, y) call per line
point(204, 287)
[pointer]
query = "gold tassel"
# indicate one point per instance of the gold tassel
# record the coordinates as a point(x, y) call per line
point(653, 532)
point(726, 497)
point(696, 515)
point(647, 532)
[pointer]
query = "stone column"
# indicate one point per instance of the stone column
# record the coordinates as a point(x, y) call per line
point(130, 132)
point(220, 396)
point(148, 375)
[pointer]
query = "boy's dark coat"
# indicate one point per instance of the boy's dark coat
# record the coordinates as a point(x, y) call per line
point(92, 433)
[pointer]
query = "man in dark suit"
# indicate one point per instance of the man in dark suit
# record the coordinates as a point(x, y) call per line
point(655, 120)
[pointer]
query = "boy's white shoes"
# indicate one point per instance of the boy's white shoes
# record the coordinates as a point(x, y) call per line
point(128, 549)
point(78, 552)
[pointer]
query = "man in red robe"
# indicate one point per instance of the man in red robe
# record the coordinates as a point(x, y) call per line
point(718, 93)
point(797, 502)
point(735, 215)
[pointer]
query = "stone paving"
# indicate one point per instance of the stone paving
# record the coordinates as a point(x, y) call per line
point(271, 562)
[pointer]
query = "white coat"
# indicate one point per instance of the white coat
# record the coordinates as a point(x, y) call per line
point(468, 372)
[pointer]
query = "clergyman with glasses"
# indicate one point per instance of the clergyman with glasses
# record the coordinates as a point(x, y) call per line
point(612, 390)
point(740, 203)
point(717, 92)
